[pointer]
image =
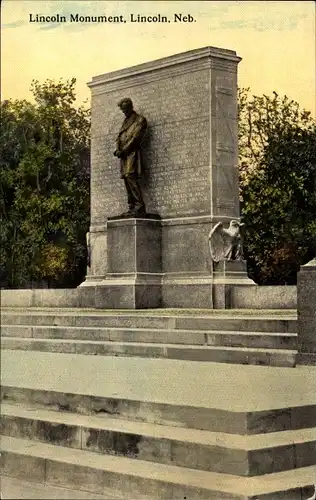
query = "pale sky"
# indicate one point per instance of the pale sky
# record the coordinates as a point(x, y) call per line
point(276, 41)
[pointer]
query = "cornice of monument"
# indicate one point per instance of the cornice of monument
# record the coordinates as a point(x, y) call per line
point(197, 59)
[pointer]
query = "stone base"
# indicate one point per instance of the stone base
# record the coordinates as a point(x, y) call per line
point(231, 271)
point(86, 295)
point(264, 297)
point(135, 294)
point(132, 279)
point(155, 263)
point(228, 274)
point(143, 290)
point(128, 293)
point(177, 295)
point(194, 292)
point(146, 294)
point(133, 246)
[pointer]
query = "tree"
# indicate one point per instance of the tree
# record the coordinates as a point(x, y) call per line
point(278, 186)
point(45, 187)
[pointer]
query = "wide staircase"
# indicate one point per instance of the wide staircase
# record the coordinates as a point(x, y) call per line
point(243, 337)
point(156, 405)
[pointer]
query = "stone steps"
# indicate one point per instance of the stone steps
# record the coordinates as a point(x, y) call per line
point(268, 321)
point(245, 433)
point(218, 354)
point(262, 338)
point(215, 419)
point(219, 337)
point(244, 455)
point(125, 406)
point(103, 474)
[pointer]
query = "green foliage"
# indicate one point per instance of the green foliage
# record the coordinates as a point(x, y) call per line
point(44, 174)
point(278, 186)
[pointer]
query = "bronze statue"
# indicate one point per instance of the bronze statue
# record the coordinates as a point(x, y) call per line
point(128, 151)
point(226, 244)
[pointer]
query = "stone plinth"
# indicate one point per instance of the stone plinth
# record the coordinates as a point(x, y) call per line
point(134, 246)
point(306, 307)
point(230, 271)
point(226, 275)
point(133, 274)
point(190, 175)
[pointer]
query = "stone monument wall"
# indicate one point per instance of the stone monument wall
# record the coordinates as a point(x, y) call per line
point(189, 101)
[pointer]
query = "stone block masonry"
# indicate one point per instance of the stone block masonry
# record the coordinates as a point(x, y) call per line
point(306, 302)
point(190, 152)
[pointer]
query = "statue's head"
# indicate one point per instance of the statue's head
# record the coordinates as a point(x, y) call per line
point(126, 106)
point(235, 225)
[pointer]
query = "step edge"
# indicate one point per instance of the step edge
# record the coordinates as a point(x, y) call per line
point(159, 345)
point(247, 412)
point(244, 483)
point(163, 330)
point(247, 442)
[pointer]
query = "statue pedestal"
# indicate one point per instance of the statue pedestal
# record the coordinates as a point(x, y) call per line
point(143, 263)
point(226, 274)
point(133, 274)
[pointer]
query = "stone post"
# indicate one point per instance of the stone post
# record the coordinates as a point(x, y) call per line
point(306, 307)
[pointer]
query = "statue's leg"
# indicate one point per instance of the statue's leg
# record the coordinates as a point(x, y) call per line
point(136, 194)
point(130, 197)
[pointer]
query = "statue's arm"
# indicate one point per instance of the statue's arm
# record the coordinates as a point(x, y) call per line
point(136, 138)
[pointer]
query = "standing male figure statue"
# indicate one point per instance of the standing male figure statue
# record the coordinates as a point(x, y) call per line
point(128, 151)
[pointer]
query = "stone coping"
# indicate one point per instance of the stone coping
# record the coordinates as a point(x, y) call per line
point(166, 62)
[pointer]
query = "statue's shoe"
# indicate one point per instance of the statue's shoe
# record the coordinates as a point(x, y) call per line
point(134, 212)
point(129, 213)
point(138, 213)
